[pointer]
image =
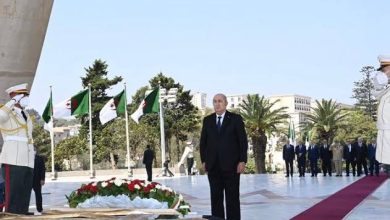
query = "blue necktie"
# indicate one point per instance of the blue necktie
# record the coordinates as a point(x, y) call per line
point(219, 123)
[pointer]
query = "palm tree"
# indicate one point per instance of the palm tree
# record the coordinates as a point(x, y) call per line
point(261, 119)
point(327, 117)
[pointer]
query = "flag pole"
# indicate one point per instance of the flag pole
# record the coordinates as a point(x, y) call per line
point(53, 172)
point(162, 131)
point(92, 174)
point(129, 171)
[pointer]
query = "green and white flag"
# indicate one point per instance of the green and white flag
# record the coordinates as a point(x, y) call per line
point(291, 133)
point(149, 105)
point(47, 115)
point(113, 107)
point(74, 106)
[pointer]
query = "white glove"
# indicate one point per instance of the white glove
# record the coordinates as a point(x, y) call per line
point(17, 98)
point(14, 100)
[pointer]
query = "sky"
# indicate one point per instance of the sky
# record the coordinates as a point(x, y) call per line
point(314, 48)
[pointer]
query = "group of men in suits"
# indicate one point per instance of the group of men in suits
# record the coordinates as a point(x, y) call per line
point(354, 153)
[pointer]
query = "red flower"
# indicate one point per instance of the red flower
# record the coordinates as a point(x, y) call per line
point(131, 187)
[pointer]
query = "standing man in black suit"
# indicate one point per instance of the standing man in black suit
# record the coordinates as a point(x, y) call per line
point(288, 157)
point(148, 161)
point(313, 155)
point(223, 151)
point(38, 181)
point(300, 151)
point(326, 158)
point(350, 157)
point(361, 156)
point(374, 164)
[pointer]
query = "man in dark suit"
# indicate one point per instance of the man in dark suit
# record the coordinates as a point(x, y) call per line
point(288, 157)
point(223, 151)
point(361, 156)
point(300, 151)
point(39, 180)
point(313, 155)
point(326, 158)
point(374, 164)
point(148, 161)
point(350, 157)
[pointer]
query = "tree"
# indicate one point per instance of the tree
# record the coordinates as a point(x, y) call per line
point(363, 92)
point(68, 148)
point(112, 139)
point(96, 75)
point(357, 124)
point(326, 119)
point(180, 118)
point(261, 118)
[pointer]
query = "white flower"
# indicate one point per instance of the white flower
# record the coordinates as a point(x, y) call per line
point(104, 184)
point(118, 182)
point(137, 186)
point(94, 184)
point(158, 186)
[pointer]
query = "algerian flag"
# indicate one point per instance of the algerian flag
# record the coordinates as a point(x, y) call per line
point(47, 115)
point(76, 105)
point(291, 133)
point(148, 105)
point(113, 107)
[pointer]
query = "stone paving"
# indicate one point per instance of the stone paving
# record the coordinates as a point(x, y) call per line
point(264, 196)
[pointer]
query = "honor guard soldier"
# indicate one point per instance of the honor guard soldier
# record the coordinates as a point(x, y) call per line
point(17, 155)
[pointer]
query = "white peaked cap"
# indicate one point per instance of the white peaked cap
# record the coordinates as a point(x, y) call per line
point(384, 60)
point(21, 88)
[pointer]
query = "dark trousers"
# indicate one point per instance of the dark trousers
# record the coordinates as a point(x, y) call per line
point(1, 196)
point(18, 185)
point(327, 167)
point(313, 167)
point(353, 165)
point(361, 163)
point(38, 196)
point(374, 165)
point(301, 167)
point(190, 163)
point(289, 167)
point(149, 171)
point(228, 182)
point(167, 170)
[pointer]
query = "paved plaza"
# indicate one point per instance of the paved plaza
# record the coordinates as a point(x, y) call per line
point(264, 196)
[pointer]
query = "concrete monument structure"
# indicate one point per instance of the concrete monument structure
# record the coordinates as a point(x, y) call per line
point(23, 25)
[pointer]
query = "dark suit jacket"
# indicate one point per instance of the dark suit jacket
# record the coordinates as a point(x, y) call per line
point(39, 170)
point(371, 152)
point(288, 153)
point(349, 156)
point(313, 153)
point(325, 153)
point(361, 152)
point(301, 151)
point(148, 157)
point(225, 148)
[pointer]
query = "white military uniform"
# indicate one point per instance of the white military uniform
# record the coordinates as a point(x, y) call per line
point(383, 114)
point(18, 146)
point(17, 155)
point(383, 125)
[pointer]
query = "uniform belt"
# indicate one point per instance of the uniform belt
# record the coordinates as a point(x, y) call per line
point(382, 126)
point(16, 138)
